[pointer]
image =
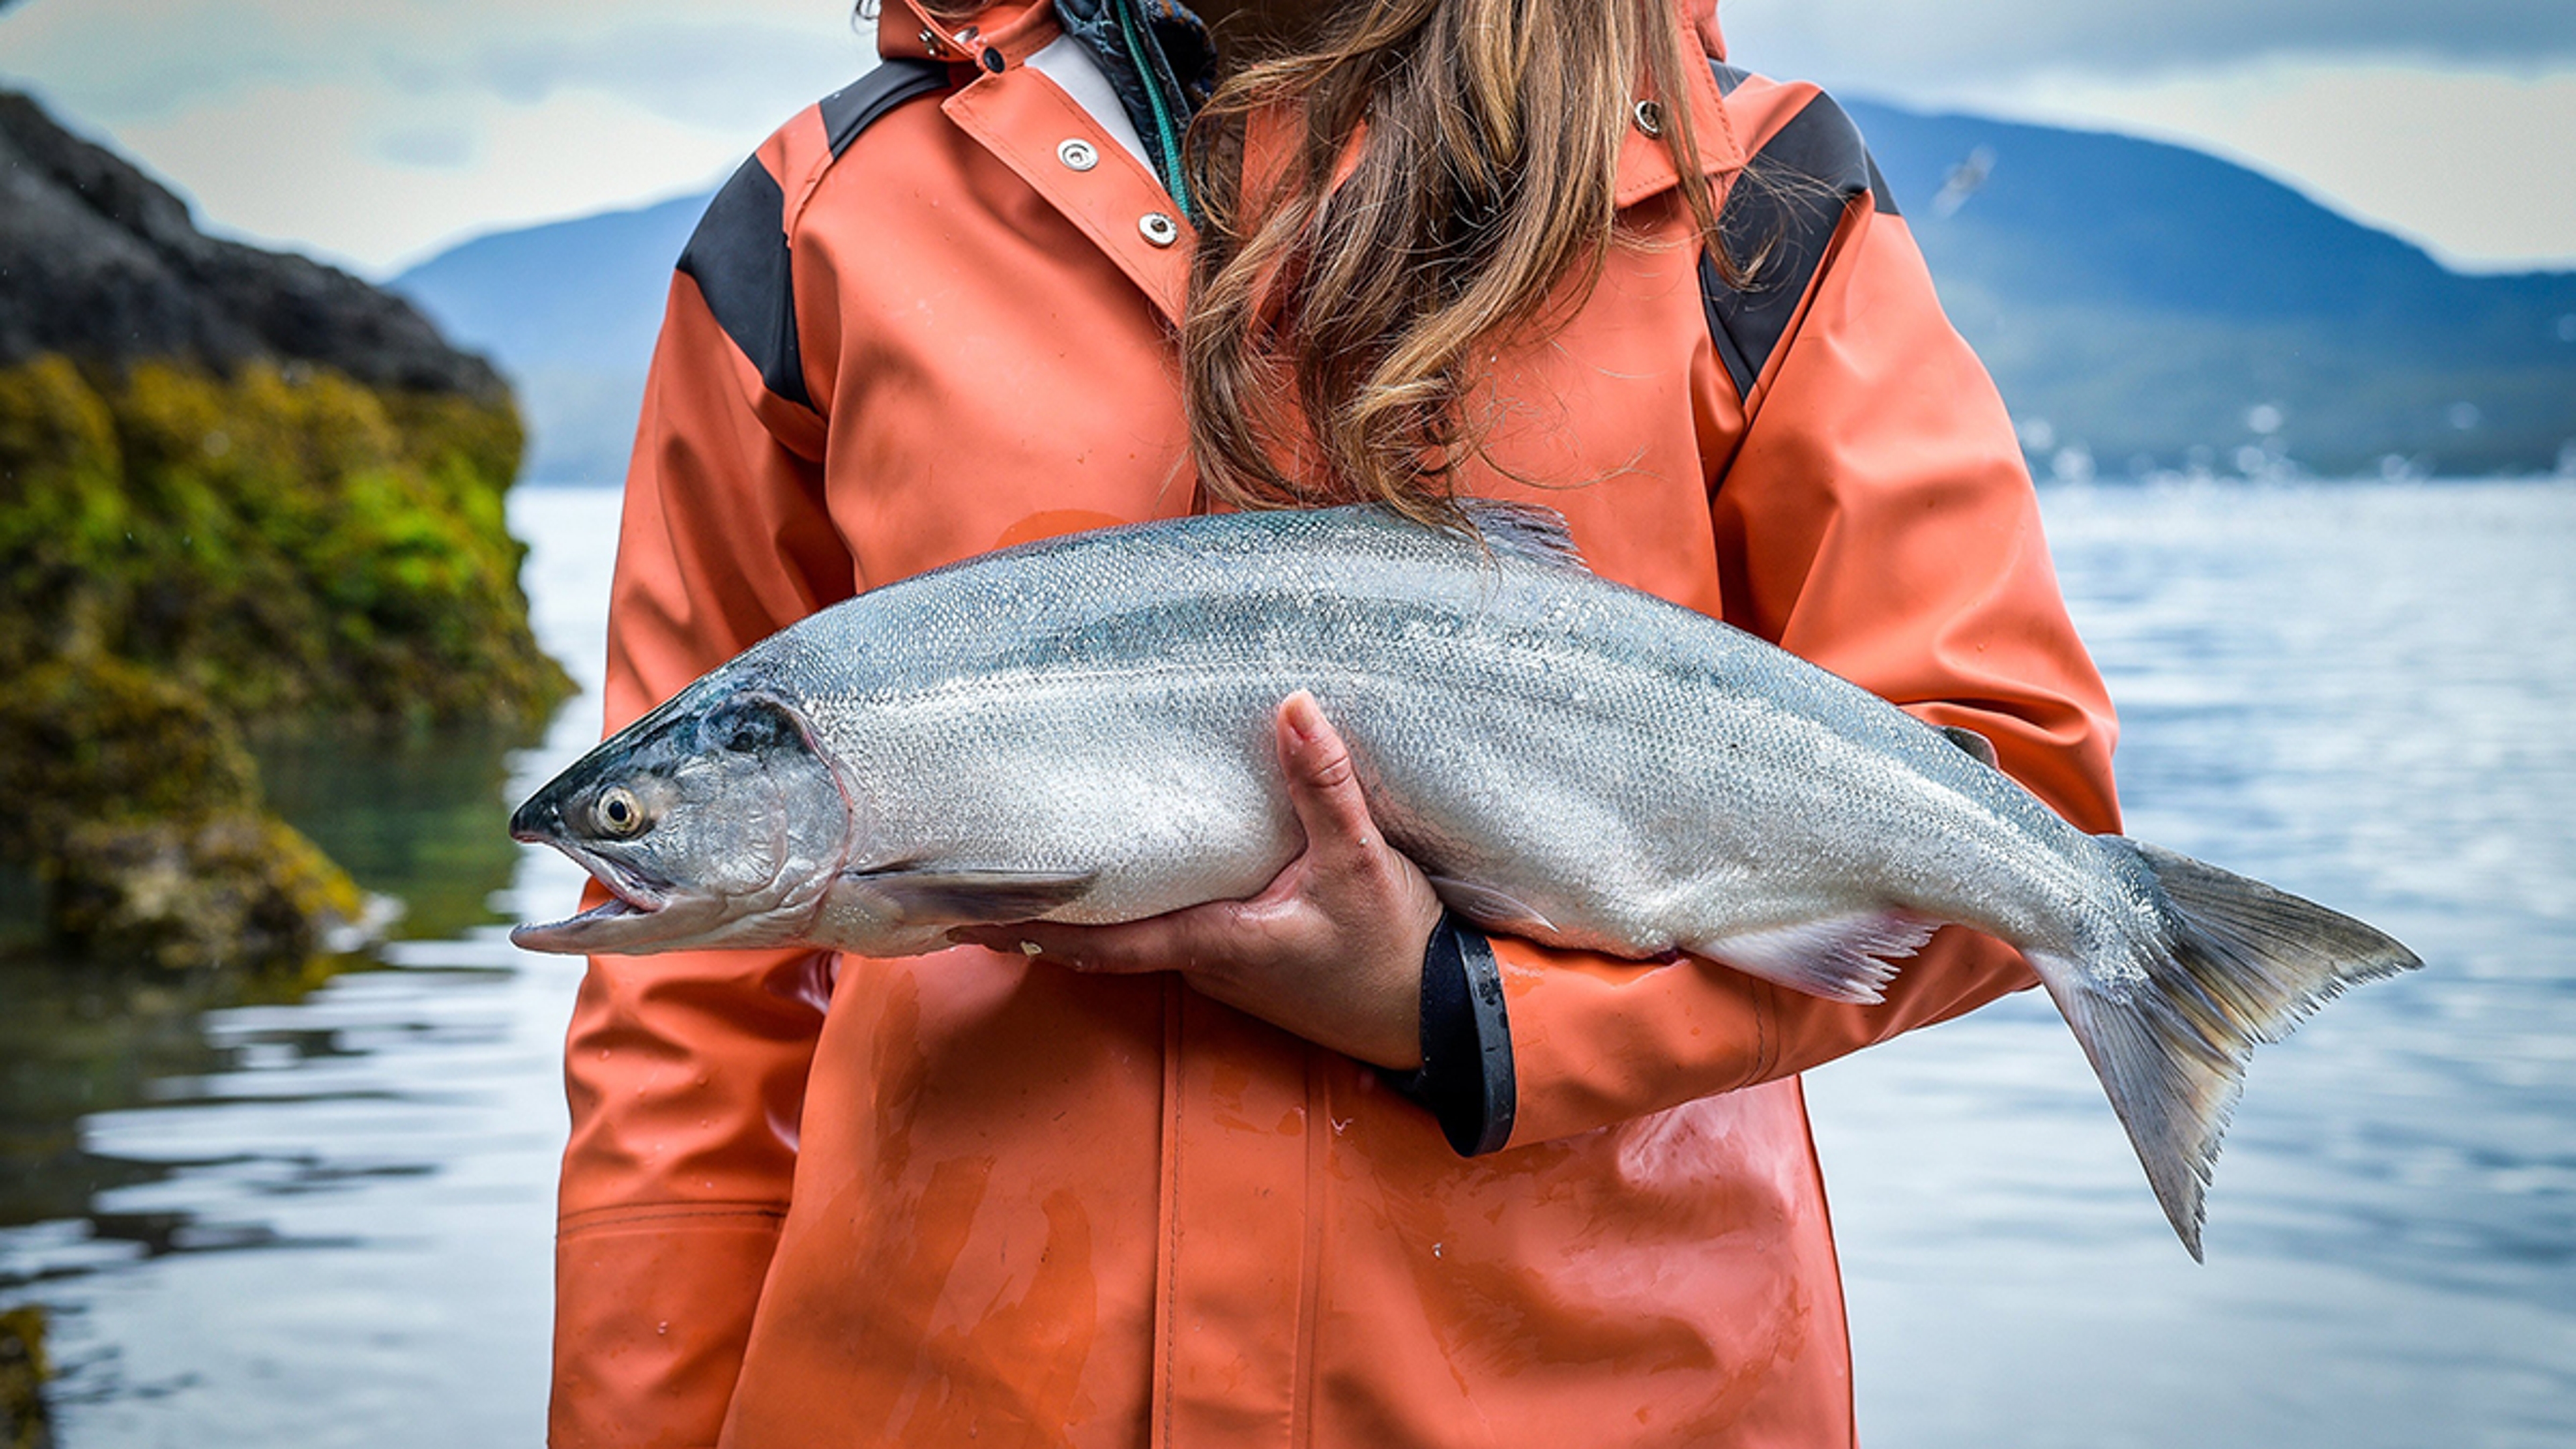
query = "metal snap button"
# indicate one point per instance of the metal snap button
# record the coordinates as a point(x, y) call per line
point(930, 45)
point(1077, 154)
point(1650, 118)
point(1159, 228)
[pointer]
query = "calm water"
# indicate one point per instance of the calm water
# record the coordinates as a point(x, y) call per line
point(328, 1222)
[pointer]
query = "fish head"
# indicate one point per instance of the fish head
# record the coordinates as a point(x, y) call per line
point(715, 821)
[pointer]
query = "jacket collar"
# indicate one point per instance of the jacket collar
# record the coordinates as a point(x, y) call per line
point(1702, 16)
point(1161, 79)
point(1011, 30)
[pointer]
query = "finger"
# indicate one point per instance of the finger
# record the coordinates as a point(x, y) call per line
point(1323, 784)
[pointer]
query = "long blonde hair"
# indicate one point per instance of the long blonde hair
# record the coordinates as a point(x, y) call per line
point(1333, 319)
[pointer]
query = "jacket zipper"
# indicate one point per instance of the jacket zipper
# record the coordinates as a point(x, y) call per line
point(1152, 76)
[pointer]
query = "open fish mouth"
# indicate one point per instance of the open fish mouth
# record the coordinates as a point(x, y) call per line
point(613, 909)
point(632, 896)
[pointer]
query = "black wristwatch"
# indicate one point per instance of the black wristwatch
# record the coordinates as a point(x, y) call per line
point(1465, 1079)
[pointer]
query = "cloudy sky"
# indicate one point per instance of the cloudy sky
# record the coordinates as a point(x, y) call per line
point(373, 132)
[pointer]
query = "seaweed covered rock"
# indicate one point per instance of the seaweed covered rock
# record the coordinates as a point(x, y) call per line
point(184, 557)
point(286, 540)
point(23, 1371)
point(137, 805)
point(247, 469)
point(237, 890)
point(241, 494)
point(96, 738)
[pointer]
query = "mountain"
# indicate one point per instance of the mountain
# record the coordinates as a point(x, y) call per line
point(570, 309)
point(2142, 306)
point(2137, 301)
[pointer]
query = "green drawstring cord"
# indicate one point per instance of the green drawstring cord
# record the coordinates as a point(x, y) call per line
point(1171, 139)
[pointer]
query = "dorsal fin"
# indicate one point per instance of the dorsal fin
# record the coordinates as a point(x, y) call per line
point(1525, 531)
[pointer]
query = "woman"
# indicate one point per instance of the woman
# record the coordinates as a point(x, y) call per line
point(1322, 1168)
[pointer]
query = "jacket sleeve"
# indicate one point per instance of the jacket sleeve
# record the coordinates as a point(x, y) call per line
point(1875, 518)
point(686, 1072)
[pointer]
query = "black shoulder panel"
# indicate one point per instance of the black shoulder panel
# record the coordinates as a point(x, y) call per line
point(1781, 215)
point(855, 107)
point(738, 254)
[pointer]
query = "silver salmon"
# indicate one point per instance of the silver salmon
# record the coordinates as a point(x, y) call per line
point(1080, 730)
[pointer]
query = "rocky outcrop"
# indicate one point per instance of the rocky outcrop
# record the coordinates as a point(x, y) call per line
point(23, 1371)
point(239, 493)
point(101, 263)
point(140, 811)
point(284, 541)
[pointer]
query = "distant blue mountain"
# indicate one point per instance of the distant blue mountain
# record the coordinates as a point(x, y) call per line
point(569, 310)
point(2142, 303)
point(2142, 306)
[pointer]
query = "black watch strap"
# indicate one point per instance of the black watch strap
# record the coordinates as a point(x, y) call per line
point(1465, 1079)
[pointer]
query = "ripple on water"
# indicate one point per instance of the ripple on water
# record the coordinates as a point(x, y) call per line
point(325, 1221)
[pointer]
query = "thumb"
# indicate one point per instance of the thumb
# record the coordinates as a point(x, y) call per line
point(1323, 784)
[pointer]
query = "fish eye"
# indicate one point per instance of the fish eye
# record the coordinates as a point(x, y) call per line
point(619, 812)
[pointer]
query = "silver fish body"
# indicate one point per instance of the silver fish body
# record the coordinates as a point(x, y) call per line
point(1080, 730)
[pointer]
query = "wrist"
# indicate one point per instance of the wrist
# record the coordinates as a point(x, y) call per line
point(1466, 1077)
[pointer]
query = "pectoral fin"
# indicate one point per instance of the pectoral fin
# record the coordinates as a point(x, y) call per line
point(1843, 958)
point(1491, 908)
point(951, 896)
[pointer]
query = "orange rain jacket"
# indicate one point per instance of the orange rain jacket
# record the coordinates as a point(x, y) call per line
point(964, 1199)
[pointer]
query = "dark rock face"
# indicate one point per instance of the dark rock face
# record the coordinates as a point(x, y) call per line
point(100, 262)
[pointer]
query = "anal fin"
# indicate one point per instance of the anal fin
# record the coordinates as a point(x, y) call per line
point(1978, 746)
point(1840, 958)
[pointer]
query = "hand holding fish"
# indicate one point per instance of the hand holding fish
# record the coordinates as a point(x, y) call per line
point(1330, 950)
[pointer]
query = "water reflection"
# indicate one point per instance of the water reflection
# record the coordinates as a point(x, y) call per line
point(267, 1216)
point(421, 822)
point(76, 1044)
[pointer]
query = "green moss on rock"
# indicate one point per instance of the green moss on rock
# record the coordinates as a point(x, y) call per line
point(95, 738)
point(187, 556)
point(238, 890)
point(139, 809)
point(62, 509)
point(23, 1372)
point(286, 540)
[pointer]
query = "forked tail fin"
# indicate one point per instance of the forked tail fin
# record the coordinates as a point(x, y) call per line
point(2241, 963)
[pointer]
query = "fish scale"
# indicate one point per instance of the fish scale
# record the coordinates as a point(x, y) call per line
point(1080, 730)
